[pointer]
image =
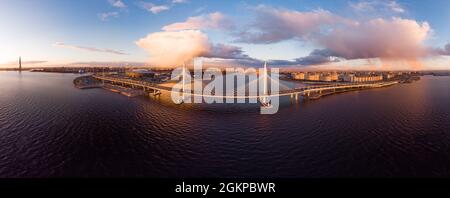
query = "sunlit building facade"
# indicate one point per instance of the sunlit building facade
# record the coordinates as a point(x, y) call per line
point(312, 76)
point(364, 78)
point(298, 76)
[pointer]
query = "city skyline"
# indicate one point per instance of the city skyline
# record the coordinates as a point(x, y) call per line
point(378, 35)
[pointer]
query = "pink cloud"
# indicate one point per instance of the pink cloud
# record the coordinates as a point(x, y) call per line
point(173, 48)
point(274, 25)
point(372, 5)
point(214, 20)
point(393, 38)
point(339, 37)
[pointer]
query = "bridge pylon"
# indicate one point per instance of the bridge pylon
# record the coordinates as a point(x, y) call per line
point(264, 98)
point(183, 87)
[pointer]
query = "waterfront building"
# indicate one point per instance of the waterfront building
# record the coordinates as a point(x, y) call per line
point(328, 77)
point(325, 77)
point(334, 76)
point(362, 78)
point(140, 73)
point(298, 76)
point(387, 76)
point(348, 77)
point(312, 76)
point(315, 76)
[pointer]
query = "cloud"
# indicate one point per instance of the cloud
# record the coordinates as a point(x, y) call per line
point(368, 40)
point(190, 42)
point(339, 37)
point(179, 1)
point(226, 52)
point(214, 20)
point(273, 25)
point(393, 38)
point(91, 49)
point(318, 56)
point(117, 3)
point(106, 64)
point(106, 15)
point(200, 9)
point(32, 62)
point(362, 5)
point(173, 48)
point(445, 51)
point(379, 6)
point(158, 9)
point(395, 7)
point(155, 9)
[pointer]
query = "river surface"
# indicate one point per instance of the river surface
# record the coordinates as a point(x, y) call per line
point(49, 128)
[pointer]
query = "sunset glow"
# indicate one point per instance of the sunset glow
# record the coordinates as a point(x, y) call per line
point(310, 34)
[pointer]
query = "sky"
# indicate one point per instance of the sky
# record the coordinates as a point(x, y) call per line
point(319, 34)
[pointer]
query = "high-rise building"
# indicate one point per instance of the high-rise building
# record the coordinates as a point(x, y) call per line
point(20, 64)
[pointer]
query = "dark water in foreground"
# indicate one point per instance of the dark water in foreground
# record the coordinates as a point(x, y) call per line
point(48, 128)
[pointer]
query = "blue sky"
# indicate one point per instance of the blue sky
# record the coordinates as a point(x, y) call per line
point(67, 31)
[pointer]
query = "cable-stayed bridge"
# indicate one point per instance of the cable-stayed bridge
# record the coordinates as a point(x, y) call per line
point(307, 91)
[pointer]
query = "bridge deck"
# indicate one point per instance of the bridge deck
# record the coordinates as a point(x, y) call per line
point(303, 90)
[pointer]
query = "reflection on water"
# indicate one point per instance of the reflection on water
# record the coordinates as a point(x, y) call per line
point(48, 128)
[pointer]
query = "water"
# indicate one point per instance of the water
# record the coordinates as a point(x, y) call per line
point(48, 128)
